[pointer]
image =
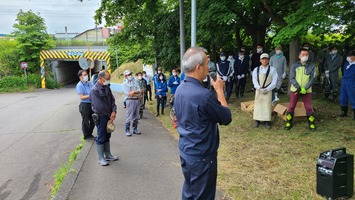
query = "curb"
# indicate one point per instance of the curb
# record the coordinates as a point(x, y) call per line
point(70, 178)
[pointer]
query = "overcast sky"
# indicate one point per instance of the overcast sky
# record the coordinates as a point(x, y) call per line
point(77, 16)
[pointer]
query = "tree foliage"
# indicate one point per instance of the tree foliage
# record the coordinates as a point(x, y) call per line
point(151, 28)
point(32, 37)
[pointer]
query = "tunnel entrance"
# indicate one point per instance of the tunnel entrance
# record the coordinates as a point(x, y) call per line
point(64, 65)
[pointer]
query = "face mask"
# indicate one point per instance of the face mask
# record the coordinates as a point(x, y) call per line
point(129, 78)
point(241, 57)
point(259, 50)
point(161, 78)
point(139, 77)
point(348, 59)
point(159, 72)
point(230, 57)
point(304, 58)
point(106, 82)
point(86, 78)
point(223, 58)
point(174, 73)
point(334, 52)
point(278, 51)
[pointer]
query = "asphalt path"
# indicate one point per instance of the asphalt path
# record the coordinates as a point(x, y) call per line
point(148, 169)
point(38, 131)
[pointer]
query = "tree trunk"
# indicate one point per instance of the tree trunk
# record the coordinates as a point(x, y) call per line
point(294, 50)
point(239, 41)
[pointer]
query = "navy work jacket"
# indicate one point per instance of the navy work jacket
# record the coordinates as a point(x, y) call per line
point(198, 112)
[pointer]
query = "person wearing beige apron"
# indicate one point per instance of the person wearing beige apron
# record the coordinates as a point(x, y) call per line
point(264, 80)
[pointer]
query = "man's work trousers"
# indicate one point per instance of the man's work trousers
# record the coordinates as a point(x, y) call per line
point(148, 90)
point(331, 83)
point(132, 110)
point(102, 135)
point(240, 86)
point(347, 92)
point(307, 101)
point(200, 178)
point(87, 123)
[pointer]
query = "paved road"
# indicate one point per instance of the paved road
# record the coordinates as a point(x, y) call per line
point(148, 169)
point(37, 132)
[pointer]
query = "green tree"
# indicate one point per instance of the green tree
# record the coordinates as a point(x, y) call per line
point(32, 37)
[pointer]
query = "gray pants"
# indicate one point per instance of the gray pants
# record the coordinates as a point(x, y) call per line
point(132, 110)
point(332, 84)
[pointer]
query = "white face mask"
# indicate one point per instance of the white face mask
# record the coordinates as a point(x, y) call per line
point(159, 72)
point(334, 52)
point(348, 59)
point(106, 82)
point(223, 58)
point(278, 51)
point(174, 73)
point(230, 57)
point(129, 78)
point(139, 77)
point(304, 58)
point(259, 50)
point(86, 78)
point(241, 57)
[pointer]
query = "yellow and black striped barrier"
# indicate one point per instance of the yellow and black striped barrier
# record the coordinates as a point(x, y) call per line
point(71, 55)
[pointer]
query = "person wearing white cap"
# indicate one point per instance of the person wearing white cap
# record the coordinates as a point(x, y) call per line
point(264, 80)
point(132, 93)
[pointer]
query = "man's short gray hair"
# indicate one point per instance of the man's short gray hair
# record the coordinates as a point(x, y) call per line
point(102, 73)
point(193, 57)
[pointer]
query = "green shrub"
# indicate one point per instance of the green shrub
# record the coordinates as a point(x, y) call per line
point(51, 83)
point(13, 84)
point(35, 80)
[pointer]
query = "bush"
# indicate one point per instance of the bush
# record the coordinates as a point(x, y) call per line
point(13, 84)
point(51, 83)
point(35, 80)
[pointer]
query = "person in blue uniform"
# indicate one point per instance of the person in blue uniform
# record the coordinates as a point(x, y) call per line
point(173, 83)
point(347, 91)
point(83, 89)
point(103, 104)
point(198, 112)
point(161, 90)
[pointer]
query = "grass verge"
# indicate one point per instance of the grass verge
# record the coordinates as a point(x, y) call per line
point(256, 163)
point(65, 168)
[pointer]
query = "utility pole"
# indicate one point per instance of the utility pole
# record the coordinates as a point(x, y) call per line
point(193, 23)
point(182, 33)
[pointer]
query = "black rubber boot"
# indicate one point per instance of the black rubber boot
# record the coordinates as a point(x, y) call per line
point(100, 151)
point(107, 153)
point(344, 111)
point(310, 118)
point(289, 121)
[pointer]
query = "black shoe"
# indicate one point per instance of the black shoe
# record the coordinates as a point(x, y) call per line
point(92, 138)
point(157, 115)
point(257, 124)
point(267, 125)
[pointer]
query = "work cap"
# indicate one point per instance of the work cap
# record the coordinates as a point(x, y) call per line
point(127, 72)
point(351, 53)
point(222, 54)
point(264, 55)
point(110, 127)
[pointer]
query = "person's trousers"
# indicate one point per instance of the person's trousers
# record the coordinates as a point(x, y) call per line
point(331, 83)
point(307, 101)
point(240, 86)
point(102, 135)
point(132, 110)
point(161, 101)
point(200, 178)
point(149, 90)
point(347, 92)
point(229, 87)
point(87, 123)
